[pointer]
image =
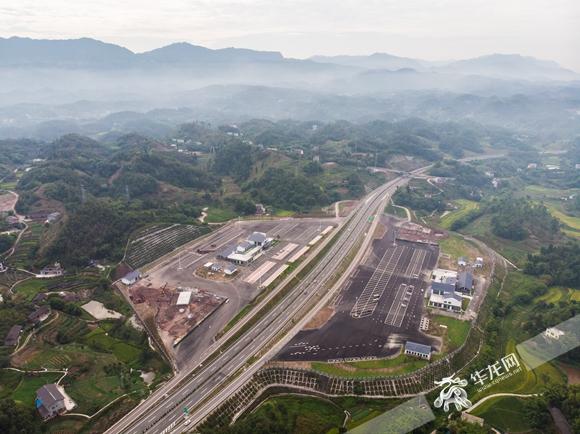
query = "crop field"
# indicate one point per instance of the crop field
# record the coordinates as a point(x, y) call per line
point(26, 247)
point(506, 413)
point(571, 223)
point(464, 207)
point(158, 241)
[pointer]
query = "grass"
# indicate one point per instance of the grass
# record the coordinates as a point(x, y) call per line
point(455, 246)
point(395, 210)
point(464, 207)
point(456, 330)
point(571, 223)
point(25, 392)
point(219, 215)
point(29, 288)
point(302, 414)
point(370, 368)
point(126, 353)
point(283, 213)
point(505, 413)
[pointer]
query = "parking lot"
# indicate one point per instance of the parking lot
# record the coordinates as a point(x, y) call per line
point(379, 309)
point(292, 241)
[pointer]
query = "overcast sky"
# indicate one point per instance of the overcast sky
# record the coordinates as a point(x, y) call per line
point(429, 29)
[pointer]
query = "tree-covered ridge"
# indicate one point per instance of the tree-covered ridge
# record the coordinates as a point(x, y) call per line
point(561, 263)
point(519, 218)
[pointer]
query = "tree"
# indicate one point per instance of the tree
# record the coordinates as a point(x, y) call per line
point(15, 419)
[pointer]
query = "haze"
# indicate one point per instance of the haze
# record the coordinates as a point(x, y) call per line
point(432, 30)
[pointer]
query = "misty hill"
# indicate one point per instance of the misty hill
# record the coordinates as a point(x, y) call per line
point(374, 61)
point(511, 66)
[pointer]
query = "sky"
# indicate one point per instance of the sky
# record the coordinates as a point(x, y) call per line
point(427, 29)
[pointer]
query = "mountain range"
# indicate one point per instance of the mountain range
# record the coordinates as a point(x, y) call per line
point(93, 54)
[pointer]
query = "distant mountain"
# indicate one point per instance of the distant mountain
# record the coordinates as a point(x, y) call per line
point(21, 52)
point(90, 53)
point(513, 66)
point(374, 61)
point(184, 53)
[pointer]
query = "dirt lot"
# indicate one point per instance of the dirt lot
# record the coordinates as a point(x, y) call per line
point(7, 201)
point(174, 322)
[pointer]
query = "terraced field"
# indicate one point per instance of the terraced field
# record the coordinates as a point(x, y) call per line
point(159, 240)
point(27, 246)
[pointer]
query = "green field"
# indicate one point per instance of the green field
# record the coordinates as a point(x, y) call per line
point(125, 352)
point(455, 246)
point(30, 287)
point(571, 223)
point(397, 211)
point(505, 413)
point(370, 368)
point(219, 215)
point(456, 330)
point(22, 387)
point(464, 207)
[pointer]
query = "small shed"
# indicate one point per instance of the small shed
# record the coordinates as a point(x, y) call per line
point(418, 350)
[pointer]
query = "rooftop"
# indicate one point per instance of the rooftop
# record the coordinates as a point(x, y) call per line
point(418, 348)
point(48, 395)
point(257, 237)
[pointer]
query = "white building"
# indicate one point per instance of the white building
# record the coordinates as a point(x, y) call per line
point(449, 301)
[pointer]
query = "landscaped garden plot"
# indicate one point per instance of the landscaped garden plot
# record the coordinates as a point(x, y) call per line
point(158, 241)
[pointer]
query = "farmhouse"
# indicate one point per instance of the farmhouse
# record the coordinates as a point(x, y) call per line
point(39, 315)
point(11, 339)
point(49, 401)
point(131, 278)
point(51, 271)
point(478, 262)
point(418, 350)
point(462, 261)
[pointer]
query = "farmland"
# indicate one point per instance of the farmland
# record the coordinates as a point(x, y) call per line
point(464, 207)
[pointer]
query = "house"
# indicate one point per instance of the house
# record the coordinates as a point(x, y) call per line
point(478, 262)
point(207, 265)
point(462, 261)
point(258, 239)
point(442, 288)
point(13, 221)
point(216, 268)
point(260, 209)
point(39, 298)
point(230, 270)
point(39, 315)
point(52, 217)
point(131, 278)
point(553, 333)
point(449, 301)
point(442, 275)
point(51, 271)
point(11, 339)
point(244, 246)
point(417, 350)
point(465, 282)
point(49, 401)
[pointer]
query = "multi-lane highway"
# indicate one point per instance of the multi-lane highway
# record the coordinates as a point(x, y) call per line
point(211, 385)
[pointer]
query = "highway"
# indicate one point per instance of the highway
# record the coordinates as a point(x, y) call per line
point(211, 385)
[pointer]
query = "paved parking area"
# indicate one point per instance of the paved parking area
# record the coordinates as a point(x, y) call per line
point(291, 236)
point(379, 309)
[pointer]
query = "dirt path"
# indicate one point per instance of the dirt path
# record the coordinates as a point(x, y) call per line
point(203, 215)
point(497, 395)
